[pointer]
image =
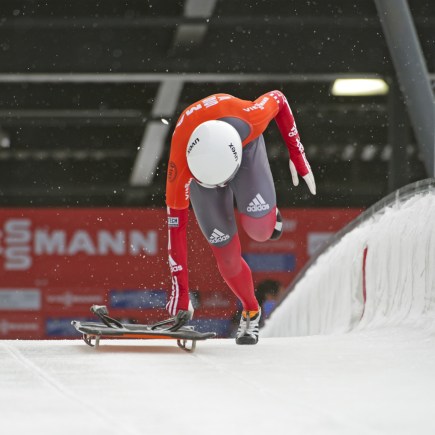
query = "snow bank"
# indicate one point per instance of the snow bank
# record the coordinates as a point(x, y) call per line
point(382, 272)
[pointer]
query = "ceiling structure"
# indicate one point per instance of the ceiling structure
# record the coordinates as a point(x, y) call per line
point(90, 93)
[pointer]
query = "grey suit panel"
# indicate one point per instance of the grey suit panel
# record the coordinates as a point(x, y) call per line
point(252, 188)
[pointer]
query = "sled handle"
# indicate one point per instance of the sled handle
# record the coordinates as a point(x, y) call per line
point(102, 312)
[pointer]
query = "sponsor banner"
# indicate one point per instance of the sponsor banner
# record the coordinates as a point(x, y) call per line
point(217, 300)
point(26, 299)
point(304, 232)
point(223, 327)
point(137, 299)
point(78, 247)
point(57, 262)
point(62, 328)
point(93, 249)
point(56, 299)
point(271, 262)
point(16, 325)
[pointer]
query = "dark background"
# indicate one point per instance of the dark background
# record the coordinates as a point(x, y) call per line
point(74, 142)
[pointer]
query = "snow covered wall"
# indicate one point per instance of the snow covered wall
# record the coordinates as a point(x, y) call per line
point(380, 271)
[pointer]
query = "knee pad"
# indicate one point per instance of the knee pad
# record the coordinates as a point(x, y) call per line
point(259, 229)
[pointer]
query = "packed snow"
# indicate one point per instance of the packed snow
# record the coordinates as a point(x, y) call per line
point(381, 273)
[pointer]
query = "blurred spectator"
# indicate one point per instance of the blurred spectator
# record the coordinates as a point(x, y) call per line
point(268, 292)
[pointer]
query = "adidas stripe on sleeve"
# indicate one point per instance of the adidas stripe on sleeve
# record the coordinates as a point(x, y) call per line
point(177, 253)
point(289, 132)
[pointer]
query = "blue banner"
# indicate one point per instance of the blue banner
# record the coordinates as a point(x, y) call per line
point(271, 262)
point(137, 299)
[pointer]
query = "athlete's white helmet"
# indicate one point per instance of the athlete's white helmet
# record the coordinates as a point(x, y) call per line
point(214, 153)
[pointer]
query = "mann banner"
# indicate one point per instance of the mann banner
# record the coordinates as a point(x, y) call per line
point(55, 263)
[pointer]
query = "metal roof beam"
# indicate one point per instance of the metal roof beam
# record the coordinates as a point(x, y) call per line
point(189, 34)
point(412, 74)
point(177, 77)
point(294, 23)
point(155, 134)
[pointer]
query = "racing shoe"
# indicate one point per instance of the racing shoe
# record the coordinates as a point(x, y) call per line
point(277, 231)
point(249, 327)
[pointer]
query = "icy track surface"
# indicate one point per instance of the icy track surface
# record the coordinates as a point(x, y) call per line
point(372, 382)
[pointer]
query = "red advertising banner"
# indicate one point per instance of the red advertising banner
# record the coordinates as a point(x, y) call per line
point(305, 231)
point(55, 263)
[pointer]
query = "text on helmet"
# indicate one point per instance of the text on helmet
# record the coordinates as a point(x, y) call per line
point(233, 149)
point(192, 144)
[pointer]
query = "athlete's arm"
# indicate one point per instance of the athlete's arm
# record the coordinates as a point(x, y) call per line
point(177, 253)
point(177, 201)
point(287, 126)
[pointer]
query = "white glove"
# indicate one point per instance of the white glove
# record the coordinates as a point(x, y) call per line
point(309, 178)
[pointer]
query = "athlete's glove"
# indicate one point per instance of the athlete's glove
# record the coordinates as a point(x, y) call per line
point(309, 177)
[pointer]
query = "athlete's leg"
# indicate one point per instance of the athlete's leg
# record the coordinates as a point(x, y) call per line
point(255, 193)
point(214, 210)
point(236, 272)
point(261, 228)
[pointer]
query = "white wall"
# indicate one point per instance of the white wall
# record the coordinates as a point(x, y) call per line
point(400, 276)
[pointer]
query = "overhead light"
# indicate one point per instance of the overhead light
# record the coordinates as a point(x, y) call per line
point(5, 140)
point(165, 121)
point(359, 87)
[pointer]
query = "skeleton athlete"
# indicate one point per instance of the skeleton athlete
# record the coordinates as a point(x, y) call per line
point(218, 154)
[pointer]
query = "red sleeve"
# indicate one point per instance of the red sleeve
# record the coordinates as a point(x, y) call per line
point(178, 176)
point(289, 132)
point(177, 251)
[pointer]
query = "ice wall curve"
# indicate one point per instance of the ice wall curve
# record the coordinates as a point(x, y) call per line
point(379, 270)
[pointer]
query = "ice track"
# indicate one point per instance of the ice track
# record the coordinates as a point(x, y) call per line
point(372, 382)
point(308, 378)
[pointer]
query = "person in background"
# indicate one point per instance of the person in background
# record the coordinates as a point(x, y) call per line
point(268, 293)
point(218, 154)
